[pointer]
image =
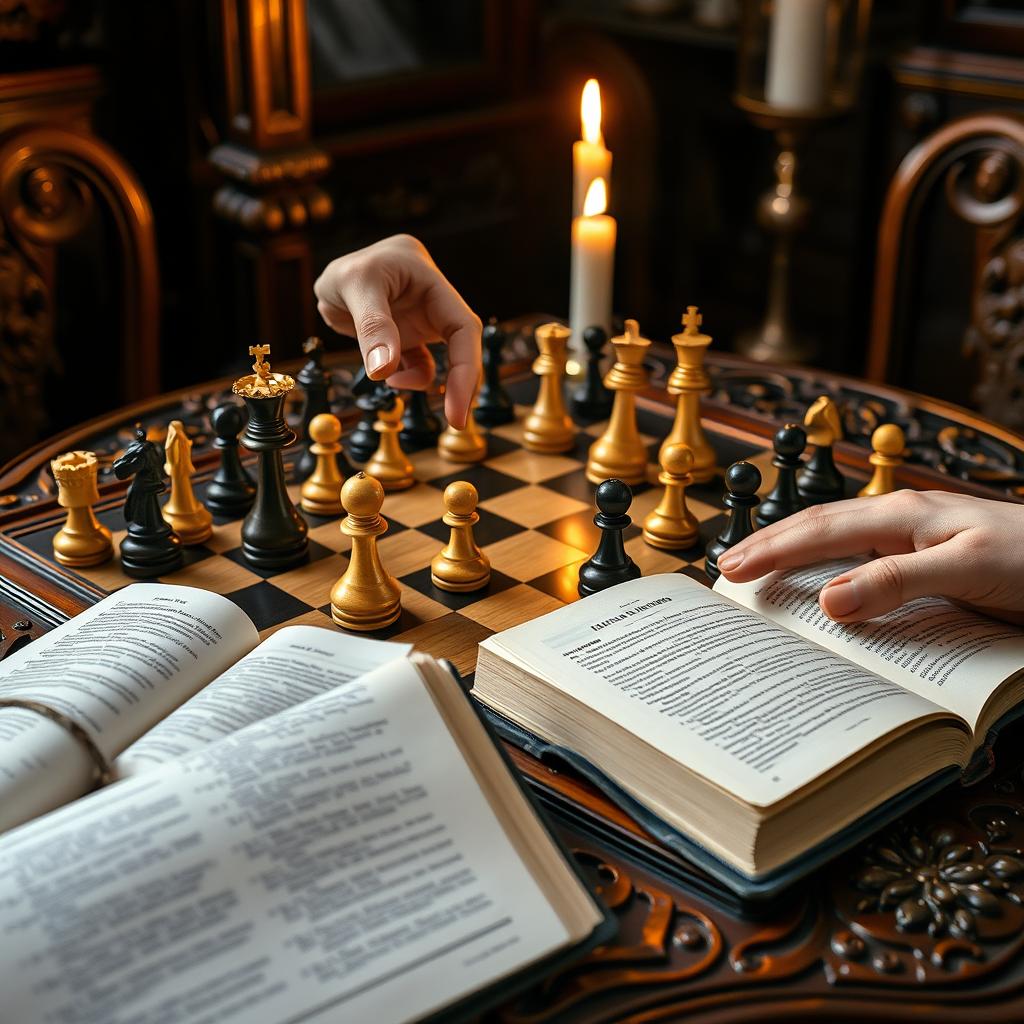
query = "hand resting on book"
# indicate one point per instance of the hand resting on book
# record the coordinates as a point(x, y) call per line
point(925, 543)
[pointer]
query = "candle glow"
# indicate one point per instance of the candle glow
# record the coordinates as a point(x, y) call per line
point(596, 200)
point(590, 112)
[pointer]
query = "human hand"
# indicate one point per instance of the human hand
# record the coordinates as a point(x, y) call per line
point(393, 298)
point(967, 549)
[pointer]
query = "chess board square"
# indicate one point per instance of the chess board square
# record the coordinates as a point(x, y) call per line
point(533, 467)
point(574, 485)
point(514, 431)
point(653, 560)
point(329, 535)
point(533, 506)
point(312, 618)
point(312, 583)
point(453, 637)
point(226, 535)
point(420, 581)
point(490, 529)
point(711, 528)
point(268, 605)
point(406, 552)
point(498, 445)
point(510, 607)
point(316, 552)
point(414, 507)
point(561, 583)
point(489, 483)
point(700, 510)
point(427, 464)
point(580, 532)
point(194, 553)
point(525, 557)
point(221, 575)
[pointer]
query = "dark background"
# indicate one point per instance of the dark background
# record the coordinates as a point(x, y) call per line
point(454, 121)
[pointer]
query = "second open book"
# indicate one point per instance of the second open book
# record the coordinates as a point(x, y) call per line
point(741, 725)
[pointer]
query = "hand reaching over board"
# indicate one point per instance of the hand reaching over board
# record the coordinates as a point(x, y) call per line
point(395, 300)
point(924, 543)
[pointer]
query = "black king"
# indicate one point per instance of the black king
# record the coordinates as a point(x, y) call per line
point(273, 533)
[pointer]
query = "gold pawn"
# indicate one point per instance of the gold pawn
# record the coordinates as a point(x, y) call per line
point(82, 540)
point(548, 428)
point(888, 442)
point(366, 597)
point(619, 451)
point(466, 445)
point(672, 525)
point(184, 513)
point(460, 565)
point(389, 464)
point(689, 380)
point(320, 494)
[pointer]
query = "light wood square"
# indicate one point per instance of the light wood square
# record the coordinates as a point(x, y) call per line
point(651, 560)
point(221, 575)
point(428, 465)
point(533, 506)
point(452, 636)
point(311, 618)
point(533, 467)
point(414, 507)
point(526, 557)
point(420, 606)
point(405, 552)
point(511, 607)
point(514, 431)
point(312, 583)
point(109, 576)
point(331, 537)
point(701, 510)
point(226, 537)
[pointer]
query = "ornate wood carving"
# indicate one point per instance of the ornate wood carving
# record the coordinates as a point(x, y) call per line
point(270, 192)
point(979, 163)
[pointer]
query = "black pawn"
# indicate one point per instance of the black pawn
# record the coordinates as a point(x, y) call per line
point(592, 401)
point(819, 481)
point(315, 382)
point(363, 440)
point(420, 427)
point(742, 480)
point(231, 491)
point(784, 499)
point(151, 548)
point(494, 407)
point(610, 564)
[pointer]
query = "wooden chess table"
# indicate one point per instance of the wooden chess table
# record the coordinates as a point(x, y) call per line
point(842, 945)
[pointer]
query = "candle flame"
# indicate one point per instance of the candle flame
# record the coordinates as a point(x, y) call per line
point(590, 111)
point(596, 200)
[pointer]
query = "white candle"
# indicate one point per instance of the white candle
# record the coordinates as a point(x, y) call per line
point(590, 158)
point(797, 45)
point(593, 266)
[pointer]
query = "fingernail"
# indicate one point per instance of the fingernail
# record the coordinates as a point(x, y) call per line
point(840, 598)
point(376, 359)
point(730, 560)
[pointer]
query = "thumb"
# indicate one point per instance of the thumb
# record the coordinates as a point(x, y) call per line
point(376, 332)
point(887, 582)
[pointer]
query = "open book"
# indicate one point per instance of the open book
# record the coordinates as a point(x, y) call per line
point(743, 727)
point(316, 827)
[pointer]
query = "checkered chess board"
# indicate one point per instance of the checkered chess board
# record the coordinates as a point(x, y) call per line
point(536, 527)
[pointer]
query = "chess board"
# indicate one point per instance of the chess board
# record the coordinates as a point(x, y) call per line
point(536, 527)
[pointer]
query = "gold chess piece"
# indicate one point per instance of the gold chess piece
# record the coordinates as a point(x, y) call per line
point(389, 464)
point(460, 565)
point(688, 381)
point(888, 442)
point(82, 540)
point(320, 493)
point(548, 428)
point(619, 451)
point(184, 513)
point(672, 525)
point(366, 597)
point(466, 445)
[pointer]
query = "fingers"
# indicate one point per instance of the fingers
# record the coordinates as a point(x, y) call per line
point(885, 583)
point(460, 327)
point(822, 532)
point(415, 371)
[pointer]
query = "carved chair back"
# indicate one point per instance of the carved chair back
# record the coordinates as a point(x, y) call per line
point(973, 169)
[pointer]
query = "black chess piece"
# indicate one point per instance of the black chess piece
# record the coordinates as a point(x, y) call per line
point(151, 548)
point(231, 491)
point(592, 401)
point(274, 535)
point(314, 381)
point(784, 498)
point(494, 406)
point(819, 481)
point(610, 564)
point(742, 480)
point(363, 439)
point(420, 427)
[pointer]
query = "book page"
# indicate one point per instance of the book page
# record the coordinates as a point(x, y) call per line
point(290, 666)
point(738, 699)
point(337, 862)
point(952, 656)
